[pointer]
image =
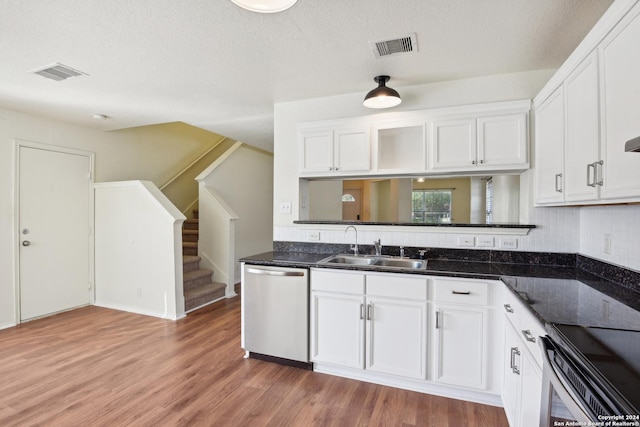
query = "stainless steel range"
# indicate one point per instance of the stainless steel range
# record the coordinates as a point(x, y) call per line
point(591, 372)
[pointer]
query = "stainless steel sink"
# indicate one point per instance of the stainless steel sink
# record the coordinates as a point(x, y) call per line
point(348, 259)
point(374, 261)
point(401, 263)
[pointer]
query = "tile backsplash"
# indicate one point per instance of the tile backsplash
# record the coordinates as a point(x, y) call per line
point(563, 229)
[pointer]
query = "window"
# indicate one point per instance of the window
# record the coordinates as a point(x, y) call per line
point(431, 206)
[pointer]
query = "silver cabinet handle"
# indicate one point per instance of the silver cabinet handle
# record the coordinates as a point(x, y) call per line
point(514, 368)
point(461, 292)
point(437, 319)
point(508, 308)
point(598, 172)
point(274, 272)
point(368, 311)
point(26, 243)
point(528, 336)
point(589, 182)
point(481, 162)
point(473, 162)
point(558, 180)
point(361, 311)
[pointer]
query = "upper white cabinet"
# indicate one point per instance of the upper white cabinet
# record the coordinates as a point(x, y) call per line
point(549, 132)
point(497, 142)
point(620, 68)
point(597, 113)
point(339, 150)
point(467, 139)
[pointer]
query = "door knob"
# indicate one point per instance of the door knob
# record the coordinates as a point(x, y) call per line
point(26, 243)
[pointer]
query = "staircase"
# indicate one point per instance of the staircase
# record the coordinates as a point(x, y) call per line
point(199, 287)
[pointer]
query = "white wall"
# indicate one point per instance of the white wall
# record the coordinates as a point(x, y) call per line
point(153, 154)
point(138, 250)
point(622, 222)
point(557, 228)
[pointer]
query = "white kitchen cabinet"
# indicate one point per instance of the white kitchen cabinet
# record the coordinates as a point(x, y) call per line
point(339, 150)
point(549, 136)
point(396, 336)
point(522, 373)
point(337, 334)
point(600, 114)
point(497, 142)
point(522, 386)
point(582, 143)
point(389, 322)
point(461, 345)
point(620, 68)
point(461, 321)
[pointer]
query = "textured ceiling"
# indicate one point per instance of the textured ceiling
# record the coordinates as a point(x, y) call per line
point(213, 65)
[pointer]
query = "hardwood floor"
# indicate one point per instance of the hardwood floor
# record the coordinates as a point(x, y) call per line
point(100, 367)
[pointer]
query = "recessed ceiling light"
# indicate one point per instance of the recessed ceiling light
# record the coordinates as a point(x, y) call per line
point(265, 6)
point(100, 116)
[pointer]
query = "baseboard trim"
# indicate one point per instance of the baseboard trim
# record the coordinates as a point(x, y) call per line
point(137, 310)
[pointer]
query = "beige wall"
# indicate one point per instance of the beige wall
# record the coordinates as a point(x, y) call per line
point(152, 153)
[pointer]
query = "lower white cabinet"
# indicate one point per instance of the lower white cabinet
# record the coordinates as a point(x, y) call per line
point(461, 321)
point(522, 373)
point(337, 334)
point(461, 346)
point(396, 336)
point(382, 330)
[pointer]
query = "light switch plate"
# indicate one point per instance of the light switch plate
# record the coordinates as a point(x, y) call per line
point(313, 236)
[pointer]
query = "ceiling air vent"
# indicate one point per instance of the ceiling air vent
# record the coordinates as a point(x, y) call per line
point(57, 72)
point(405, 44)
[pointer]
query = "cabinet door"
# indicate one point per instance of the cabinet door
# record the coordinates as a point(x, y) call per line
point(502, 142)
point(316, 151)
point(549, 136)
point(620, 62)
point(453, 144)
point(396, 337)
point(337, 329)
point(352, 150)
point(511, 386)
point(531, 391)
point(461, 346)
point(582, 132)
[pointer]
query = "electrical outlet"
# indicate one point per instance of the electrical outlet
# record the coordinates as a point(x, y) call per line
point(313, 236)
point(139, 292)
point(485, 241)
point(285, 207)
point(466, 241)
point(508, 243)
point(607, 243)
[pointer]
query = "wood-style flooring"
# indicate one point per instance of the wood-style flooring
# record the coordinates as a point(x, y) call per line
point(100, 367)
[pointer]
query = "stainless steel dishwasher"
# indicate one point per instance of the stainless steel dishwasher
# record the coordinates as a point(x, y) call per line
point(276, 312)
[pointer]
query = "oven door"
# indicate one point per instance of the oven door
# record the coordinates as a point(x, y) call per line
point(564, 389)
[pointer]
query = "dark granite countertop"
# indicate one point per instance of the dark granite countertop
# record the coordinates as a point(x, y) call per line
point(465, 268)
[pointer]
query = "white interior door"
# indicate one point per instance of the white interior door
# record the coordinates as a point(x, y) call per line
point(54, 227)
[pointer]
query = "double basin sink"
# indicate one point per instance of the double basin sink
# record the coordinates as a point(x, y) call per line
point(382, 262)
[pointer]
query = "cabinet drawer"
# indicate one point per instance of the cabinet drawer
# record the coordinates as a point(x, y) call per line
point(397, 286)
point(337, 281)
point(461, 292)
point(530, 330)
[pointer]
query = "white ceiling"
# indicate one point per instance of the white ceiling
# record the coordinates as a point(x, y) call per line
point(219, 67)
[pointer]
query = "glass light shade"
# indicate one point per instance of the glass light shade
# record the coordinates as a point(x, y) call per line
point(265, 6)
point(382, 96)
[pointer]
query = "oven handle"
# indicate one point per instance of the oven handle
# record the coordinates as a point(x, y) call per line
point(550, 378)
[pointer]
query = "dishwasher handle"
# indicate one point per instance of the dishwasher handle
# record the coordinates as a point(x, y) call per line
point(274, 272)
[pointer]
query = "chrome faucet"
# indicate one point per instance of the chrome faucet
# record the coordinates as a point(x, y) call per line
point(401, 251)
point(378, 246)
point(354, 248)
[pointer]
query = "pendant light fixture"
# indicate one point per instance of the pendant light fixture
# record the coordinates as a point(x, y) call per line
point(382, 96)
point(265, 6)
